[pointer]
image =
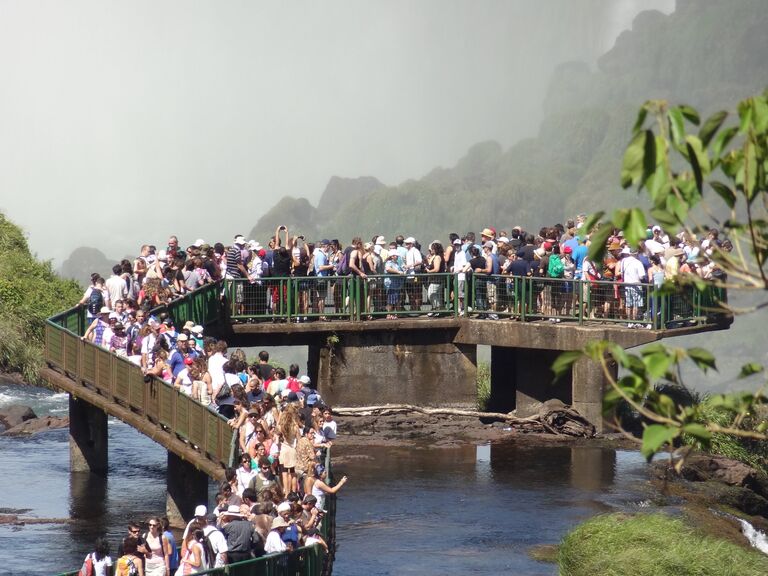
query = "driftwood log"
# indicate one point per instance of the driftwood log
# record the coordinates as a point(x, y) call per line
point(553, 417)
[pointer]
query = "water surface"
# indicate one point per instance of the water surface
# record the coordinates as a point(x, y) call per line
point(406, 510)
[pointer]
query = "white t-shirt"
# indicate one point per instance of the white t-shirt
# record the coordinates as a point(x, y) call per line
point(218, 543)
point(101, 567)
point(459, 262)
point(216, 369)
point(632, 270)
point(274, 543)
point(117, 289)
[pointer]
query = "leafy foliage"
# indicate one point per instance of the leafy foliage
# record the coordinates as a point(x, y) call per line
point(30, 292)
point(674, 168)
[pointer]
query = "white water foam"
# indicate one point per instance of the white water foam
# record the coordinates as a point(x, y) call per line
point(757, 538)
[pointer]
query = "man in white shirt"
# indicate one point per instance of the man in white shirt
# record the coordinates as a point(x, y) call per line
point(632, 274)
point(413, 265)
point(459, 267)
point(116, 286)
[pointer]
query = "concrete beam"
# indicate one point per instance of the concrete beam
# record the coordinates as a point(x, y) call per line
point(88, 439)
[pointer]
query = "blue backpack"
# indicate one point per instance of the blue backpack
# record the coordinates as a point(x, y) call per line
point(95, 301)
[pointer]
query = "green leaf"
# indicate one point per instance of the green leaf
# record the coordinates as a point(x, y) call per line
point(657, 364)
point(665, 405)
point(745, 115)
point(642, 114)
point(690, 114)
point(676, 125)
point(664, 217)
point(702, 358)
point(728, 195)
point(598, 240)
point(591, 220)
point(722, 140)
point(635, 227)
point(655, 436)
point(698, 431)
point(632, 165)
point(699, 160)
point(711, 126)
point(564, 361)
point(751, 368)
point(760, 114)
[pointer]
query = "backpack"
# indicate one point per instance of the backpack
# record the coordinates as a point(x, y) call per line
point(209, 556)
point(342, 266)
point(95, 301)
point(132, 570)
point(555, 268)
point(87, 569)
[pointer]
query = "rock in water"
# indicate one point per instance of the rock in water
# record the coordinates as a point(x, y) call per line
point(15, 414)
point(35, 425)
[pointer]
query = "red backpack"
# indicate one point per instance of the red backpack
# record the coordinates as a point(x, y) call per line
point(87, 569)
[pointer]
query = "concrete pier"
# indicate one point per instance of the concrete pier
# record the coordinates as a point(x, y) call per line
point(187, 487)
point(396, 367)
point(88, 439)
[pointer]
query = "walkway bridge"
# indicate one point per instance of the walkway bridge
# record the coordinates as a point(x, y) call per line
point(361, 352)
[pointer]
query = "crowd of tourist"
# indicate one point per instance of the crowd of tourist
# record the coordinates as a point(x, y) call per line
point(274, 500)
point(476, 274)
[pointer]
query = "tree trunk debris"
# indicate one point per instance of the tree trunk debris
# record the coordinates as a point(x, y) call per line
point(553, 417)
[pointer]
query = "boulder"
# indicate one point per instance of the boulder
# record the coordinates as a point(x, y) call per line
point(15, 414)
point(708, 467)
point(36, 425)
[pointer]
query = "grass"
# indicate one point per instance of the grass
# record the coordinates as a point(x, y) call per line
point(652, 545)
point(483, 385)
point(751, 452)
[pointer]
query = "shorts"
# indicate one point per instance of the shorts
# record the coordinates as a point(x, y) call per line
point(633, 296)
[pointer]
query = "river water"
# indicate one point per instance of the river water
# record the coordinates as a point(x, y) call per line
point(420, 510)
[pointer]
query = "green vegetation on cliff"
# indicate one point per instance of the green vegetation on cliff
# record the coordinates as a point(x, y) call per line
point(30, 292)
point(652, 545)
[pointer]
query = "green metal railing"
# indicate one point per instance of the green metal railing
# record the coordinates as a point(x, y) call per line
point(158, 401)
point(114, 377)
point(353, 298)
point(305, 561)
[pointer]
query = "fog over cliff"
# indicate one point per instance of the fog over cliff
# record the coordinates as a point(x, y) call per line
point(124, 122)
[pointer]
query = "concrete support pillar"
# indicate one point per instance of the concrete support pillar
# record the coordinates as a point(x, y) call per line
point(589, 385)
point(88, 439)
point(503, 380)
point(522, 379)
point(187, 487)
point(398, 367)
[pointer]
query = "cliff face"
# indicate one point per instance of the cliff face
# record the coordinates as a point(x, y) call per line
point(709, 54)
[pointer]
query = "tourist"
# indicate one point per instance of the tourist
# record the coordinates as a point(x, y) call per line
point(436, 287)
point(173, 557)
point(239, 534)
point(98, 562)
point(274, 543)
point(320, 488)
point(193, 558)
point(157, 558)
point(130, 563)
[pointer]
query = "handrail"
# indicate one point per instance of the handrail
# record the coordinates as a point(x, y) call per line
point(524, 298)
point(205, 431)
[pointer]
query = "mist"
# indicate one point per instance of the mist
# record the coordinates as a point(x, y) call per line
point(124, 122)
